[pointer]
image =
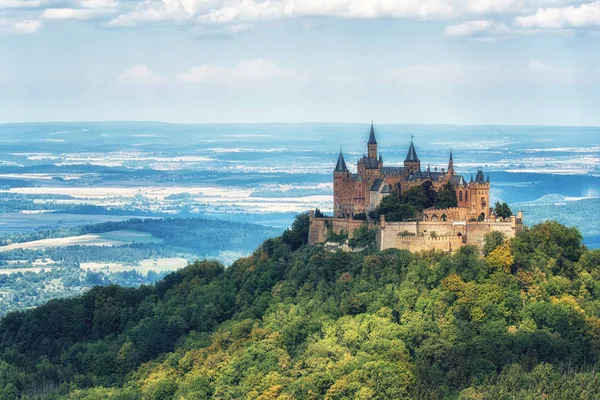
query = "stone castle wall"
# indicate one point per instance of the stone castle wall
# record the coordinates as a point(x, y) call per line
point(476, 231)
point(420, 243)
point(319, 226)
point(417, 235)
point(452, 214)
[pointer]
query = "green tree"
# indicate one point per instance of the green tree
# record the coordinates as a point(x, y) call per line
point(446, 198)
point(492, 240)
point(297, 236)
point(394, 208)
point(503, 210)
point(418, 197)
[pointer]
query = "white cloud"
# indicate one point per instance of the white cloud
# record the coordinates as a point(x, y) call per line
point(236, 11)
point(19, 26)
point(140, 74)
point(98, 3)
point(477, 28)
point(5, 4)
point(256, 70)
point(77, 13)
point(585, 15)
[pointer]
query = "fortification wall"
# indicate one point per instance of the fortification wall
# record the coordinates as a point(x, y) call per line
point(417, 236)
point(420, 243)
point(476, 231)
point(452, 214)
point(318, 227)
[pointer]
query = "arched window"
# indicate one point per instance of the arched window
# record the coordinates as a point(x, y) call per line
point(466, 196)
point(444, 218)
point(460, 195)
point(483, 202)
point(425, 218)
point(434, 217)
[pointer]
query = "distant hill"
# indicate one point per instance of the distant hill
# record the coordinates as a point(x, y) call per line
point(579, 212)
point(299, 322)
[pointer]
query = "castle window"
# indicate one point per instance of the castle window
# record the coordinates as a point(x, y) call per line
point(434, 217)
point(425, 218)
point(444, 217)
point(466, 196)
point(460, 196)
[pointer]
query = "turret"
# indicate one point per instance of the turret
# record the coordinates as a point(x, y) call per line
point(372, 144)
point(450, 164)
point(412, 162)
point(479, 196)
point(340, 167)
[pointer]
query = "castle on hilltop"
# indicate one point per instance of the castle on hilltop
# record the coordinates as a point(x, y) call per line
point(362, 192)
point(356, 195)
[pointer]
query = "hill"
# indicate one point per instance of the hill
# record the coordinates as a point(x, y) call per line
point(300, 322)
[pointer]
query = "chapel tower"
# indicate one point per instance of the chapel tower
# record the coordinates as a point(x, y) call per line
point(372, 144)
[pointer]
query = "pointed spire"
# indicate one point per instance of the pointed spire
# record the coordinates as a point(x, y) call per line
point(412, 153)
point(428, 171)
point(471, 181)
point(380, 158)
point(488, 178)
point(372, 139)
point(341, 163)
point(451, 164)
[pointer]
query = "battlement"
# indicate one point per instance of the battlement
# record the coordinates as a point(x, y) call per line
point(427, 238)
point(416, 235)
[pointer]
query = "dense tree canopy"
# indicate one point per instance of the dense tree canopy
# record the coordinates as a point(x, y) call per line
point(406, 206)
point(520, 323)
point(503, 210)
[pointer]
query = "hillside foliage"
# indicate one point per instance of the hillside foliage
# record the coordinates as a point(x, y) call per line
point(300, 322)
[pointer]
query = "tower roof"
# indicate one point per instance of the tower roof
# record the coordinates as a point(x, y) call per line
point(372, 139)
point(412, 153)
point(341, 164)
point(451, 159)
point(479, 177)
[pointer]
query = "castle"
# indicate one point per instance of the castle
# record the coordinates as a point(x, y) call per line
point(356, 195)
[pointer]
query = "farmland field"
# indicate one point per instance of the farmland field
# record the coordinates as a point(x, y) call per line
point(143, 266)
point(113, 238)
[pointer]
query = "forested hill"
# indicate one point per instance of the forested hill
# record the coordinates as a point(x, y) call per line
point(299, 322)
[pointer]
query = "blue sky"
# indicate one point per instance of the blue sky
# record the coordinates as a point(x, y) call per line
point(415, 61)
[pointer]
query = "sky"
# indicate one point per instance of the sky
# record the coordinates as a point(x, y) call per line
point(513, 62)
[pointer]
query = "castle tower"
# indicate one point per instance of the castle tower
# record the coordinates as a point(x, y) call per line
point(412, 162)
point(479, 196)
point(450, 165)
point(372, 144)
point(342, 192)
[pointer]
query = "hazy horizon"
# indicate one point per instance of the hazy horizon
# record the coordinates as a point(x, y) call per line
point(293, 123)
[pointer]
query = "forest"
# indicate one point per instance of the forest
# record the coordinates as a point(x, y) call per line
point(293, 321)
